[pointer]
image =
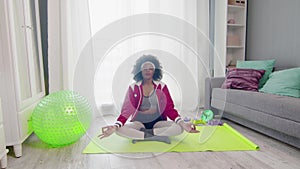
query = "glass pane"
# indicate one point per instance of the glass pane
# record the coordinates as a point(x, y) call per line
point(35, 50)
point(21, 52)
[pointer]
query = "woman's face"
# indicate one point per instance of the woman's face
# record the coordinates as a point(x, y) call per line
point(148, 71)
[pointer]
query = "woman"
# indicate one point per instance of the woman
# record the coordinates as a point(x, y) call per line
point(149, 104)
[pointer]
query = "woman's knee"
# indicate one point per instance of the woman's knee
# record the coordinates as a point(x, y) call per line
point(168, 128)
point(135, 125)
point(163, 124)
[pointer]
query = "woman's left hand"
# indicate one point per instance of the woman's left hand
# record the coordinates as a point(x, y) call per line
point(188, 127)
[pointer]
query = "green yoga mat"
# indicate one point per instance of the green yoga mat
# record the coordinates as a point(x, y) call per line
point(210, 138)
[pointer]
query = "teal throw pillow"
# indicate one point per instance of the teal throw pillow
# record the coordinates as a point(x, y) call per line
point(266, 65)
point(284, 82)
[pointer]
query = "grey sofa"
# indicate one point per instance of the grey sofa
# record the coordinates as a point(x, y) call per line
point(273, 115)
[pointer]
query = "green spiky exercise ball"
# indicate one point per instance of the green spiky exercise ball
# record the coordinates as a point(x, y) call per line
point(61, 118)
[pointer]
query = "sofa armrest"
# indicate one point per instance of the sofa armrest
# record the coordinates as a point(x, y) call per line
point(210, 83)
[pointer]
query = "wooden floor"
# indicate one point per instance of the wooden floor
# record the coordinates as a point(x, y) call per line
point(272, 154)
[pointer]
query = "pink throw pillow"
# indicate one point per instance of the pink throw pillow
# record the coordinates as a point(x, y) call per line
point(242, 79)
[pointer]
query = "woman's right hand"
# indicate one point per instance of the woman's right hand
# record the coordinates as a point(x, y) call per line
point(107, 131)
point(189, 127)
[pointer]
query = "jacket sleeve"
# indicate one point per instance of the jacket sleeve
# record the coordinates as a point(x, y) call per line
point(128, 107)
point(170, 111)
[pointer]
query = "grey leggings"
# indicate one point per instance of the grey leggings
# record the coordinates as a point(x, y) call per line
point(162, 128)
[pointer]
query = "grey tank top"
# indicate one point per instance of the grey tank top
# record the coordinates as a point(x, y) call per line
point(149, 103)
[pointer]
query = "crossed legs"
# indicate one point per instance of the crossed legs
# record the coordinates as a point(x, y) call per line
point(160, 132)
point(131, 130)
point(166, 128)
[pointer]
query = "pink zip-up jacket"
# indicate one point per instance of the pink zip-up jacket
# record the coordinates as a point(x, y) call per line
point(133, 101)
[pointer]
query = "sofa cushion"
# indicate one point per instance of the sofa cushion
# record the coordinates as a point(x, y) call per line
point(280, 106)
point(266, 65)
point(282, 129)
point(243, 79)
point(284, 82)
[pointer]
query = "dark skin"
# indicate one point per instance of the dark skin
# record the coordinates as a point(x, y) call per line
point(148, 88)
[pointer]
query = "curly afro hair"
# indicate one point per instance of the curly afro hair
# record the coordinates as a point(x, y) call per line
point(137, 72)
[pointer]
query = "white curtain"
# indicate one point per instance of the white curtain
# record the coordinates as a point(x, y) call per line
point(69, 29)
point(195, 12)
point(74, 24)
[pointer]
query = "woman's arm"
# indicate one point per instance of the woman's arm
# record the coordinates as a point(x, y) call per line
point(170, 111)
point(129, 106)
point(174, 115)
